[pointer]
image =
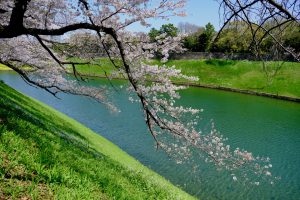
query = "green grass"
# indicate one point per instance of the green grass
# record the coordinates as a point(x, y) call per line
point(247, 75)
point(3, 67)
point(103, 68)
point(44, 154)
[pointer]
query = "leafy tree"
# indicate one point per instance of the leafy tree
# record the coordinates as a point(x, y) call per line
point(206, 37)
point(266, 20)
point(203, 42)
point(191, 41)
point(235, 38)
point(168, 29)
point(292, 37)
point(209, 30)
point(153, 34)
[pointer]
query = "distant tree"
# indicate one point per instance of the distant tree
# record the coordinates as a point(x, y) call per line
point(235, 38)
point(267, 21)
point(203, 42)
point(292, 38)
point(153, 33)
point(206, 37)
point(165, 31)
point(191, 42)
point(168, 29)
point(209, 30)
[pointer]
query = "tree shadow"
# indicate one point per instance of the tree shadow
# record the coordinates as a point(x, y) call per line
point(220, 62)
point(21, 107)
point(56, 155)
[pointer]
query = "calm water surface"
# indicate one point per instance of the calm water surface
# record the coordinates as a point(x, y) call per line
point(262, 125)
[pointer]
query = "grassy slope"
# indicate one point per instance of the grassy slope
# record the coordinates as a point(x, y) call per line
point(44, 155)
point(246, 75)
point(3, 67)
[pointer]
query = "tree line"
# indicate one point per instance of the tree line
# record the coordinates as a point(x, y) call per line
point(236, 37)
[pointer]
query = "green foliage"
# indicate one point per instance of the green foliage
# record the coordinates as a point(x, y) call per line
point(153, 34)
point(209, 30)
point(292, 38)
point(191, 41)
point(221, 63)
point(201, 40)
point(235, 38)
point(168, 29)
point(46, 155)
point(206, 37)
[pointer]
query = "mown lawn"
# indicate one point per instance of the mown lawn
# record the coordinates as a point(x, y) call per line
point(46, 155)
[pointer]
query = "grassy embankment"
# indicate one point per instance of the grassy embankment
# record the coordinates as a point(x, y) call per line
point(245, 75)
point(3, 67)
point(46, 155)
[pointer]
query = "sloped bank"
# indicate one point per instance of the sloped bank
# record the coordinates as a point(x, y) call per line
point(46, 155)
point(236, 76)
point(216, 87)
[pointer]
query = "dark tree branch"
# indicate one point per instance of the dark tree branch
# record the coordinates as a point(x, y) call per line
point(233, 15)
point(47, 49)
point(282, 9)
point(262, 17)
point(8, 31)
point(2, 11)
point(17, 15)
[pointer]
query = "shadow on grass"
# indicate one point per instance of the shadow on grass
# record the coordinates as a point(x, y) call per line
point(40, 148)
point(220, 63)
point(21, 107)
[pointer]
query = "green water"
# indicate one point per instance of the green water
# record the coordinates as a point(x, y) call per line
point(264, 126)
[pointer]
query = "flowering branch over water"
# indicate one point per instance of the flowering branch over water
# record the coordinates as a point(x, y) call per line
point(33, 37)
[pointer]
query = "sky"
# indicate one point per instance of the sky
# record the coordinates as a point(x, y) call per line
point(199, 12)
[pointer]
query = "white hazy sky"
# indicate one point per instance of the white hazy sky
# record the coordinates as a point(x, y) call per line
point(199, 12)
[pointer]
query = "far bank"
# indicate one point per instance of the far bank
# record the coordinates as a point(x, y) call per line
point(271, 79)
